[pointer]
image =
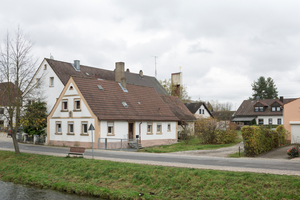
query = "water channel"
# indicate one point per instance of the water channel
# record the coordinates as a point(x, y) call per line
point(11, 191)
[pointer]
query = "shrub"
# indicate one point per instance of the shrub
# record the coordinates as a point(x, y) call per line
point(208, 133)
point(261, 139)
point(293, 152)
point(206, 130)
point(185, 136)
point(283, 133)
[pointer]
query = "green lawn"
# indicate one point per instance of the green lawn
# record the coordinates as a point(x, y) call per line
point(193, 144)
point(113, 180)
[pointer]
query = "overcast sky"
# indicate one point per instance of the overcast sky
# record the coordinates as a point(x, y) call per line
point(222, 46)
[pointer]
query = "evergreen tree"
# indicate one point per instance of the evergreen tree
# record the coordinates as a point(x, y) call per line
point(264, 89)
point(35, 119)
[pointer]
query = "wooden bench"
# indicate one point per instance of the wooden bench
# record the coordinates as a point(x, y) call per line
point(77, 151)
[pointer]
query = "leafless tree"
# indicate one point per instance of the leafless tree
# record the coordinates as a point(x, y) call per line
point(17, 66)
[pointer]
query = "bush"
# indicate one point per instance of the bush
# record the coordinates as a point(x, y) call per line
point(293, 152)
point(208, 133)
point(185, 136)
point(260, 139)
point(283, 134)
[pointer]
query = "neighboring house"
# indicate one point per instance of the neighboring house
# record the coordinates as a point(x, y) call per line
point(6, 102)
point(52, 76)
point(263, 111)
point(224, 118)
point(117, 111)
point(186, 118)
point(199, 110)
point(291, 123)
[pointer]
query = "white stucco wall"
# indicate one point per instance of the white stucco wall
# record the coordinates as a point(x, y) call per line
point(266, 119)
point(205, 115)
point(121, 130)
point(46, 92)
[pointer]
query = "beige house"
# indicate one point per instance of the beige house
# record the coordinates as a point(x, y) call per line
point(291, 116)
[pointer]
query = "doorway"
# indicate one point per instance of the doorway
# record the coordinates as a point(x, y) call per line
point(130, 131)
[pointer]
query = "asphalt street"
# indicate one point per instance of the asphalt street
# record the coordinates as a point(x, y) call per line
point(259, 165)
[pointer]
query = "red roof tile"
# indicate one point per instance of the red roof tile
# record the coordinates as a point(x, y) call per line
point(143, 102)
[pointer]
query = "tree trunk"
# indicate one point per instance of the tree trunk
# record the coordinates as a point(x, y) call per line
point(15, 142)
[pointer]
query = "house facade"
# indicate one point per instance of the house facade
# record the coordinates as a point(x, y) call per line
point(291, 115)
point(117, 111)
point(199, 110)
point(261, 112)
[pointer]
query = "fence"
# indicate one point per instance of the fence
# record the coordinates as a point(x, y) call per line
point(118, 144)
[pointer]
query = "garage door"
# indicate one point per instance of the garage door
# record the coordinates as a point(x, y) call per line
point(295, 133)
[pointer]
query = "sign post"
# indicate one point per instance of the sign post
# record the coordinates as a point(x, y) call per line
point(92, 128)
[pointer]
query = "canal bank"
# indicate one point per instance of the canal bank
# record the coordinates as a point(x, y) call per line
point(11, 191)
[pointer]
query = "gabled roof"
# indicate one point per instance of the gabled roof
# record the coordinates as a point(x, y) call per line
point(247, 107)
point(260, 102)
point(143, 102)
point(223, 115)
point(193, 107)
point(64, 70)
point(178, 108)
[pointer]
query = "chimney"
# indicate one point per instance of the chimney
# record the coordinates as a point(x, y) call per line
point(119, 71)
point(141, 73)
point(123, 82)
point(127, 70)
point(77, 65)
point(281, 99)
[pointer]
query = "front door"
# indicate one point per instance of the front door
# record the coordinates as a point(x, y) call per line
point(130, 130)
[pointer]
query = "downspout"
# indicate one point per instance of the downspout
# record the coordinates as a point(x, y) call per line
point(140, 131)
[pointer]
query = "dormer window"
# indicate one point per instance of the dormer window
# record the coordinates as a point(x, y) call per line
point(258, 109)
point(275, 109)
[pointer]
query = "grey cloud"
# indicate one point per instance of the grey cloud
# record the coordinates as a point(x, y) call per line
point(197, 48)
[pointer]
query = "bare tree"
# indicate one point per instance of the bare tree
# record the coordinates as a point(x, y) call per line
point(17, 65)
point(173, 90)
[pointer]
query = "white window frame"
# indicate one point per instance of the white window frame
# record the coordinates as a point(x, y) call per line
point(110, 128)
point(51, 82)
point(270, 121)
point(158, 128)
point(75, 104)
point(57, 129)
point(149, 131)
point(69, 129)
point(82, 127)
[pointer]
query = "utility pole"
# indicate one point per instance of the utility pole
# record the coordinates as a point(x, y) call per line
point(155, 65)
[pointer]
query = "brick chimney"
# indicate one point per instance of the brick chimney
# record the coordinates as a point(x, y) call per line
point(281, 99)
point(119, 73)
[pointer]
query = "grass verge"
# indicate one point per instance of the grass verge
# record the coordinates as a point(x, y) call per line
point(237, 155)
point(113, 180)
point(193, 144)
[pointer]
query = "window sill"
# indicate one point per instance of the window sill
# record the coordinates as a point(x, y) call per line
point(169, 130)
point(84, 134)
point(70, 133)
point(51, 85)
point(158, 133)
point(149, 133)
point(77, 110)
point(64, 110)
point(110, 134)
point(58, 133)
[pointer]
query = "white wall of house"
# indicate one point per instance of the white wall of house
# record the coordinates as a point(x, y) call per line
point(266, 119)
point(121, 130)
point(203, 114)
point(47, 92)
point(78, 136)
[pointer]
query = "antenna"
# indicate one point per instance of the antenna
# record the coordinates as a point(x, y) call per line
point(155, 65)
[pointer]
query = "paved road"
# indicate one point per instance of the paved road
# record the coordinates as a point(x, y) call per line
point(259, 165)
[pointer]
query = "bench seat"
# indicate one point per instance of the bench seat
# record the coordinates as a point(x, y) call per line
point(77, 151)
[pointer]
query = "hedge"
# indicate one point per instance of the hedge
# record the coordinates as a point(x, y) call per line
point(260, 139)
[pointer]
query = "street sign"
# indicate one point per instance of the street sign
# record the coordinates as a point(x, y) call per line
point(91, 128)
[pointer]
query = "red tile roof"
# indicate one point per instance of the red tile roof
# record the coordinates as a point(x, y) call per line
point(178, 108)
point(143, 102)
point(64, 70)
point(247, 107)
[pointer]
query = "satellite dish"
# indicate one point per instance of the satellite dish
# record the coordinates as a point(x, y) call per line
point(258, 97)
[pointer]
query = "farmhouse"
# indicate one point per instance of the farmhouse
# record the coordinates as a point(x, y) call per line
point(117, 110)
